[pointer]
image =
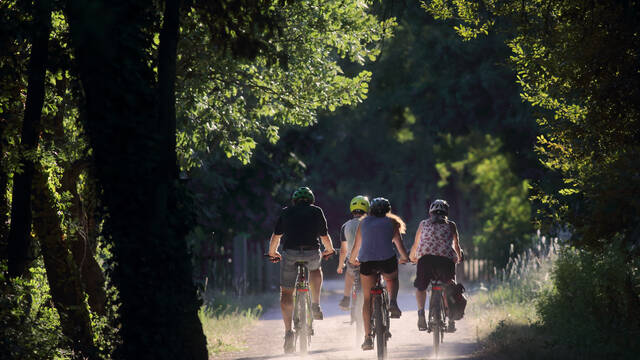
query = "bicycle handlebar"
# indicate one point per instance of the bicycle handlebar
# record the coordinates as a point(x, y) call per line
point(275, 259)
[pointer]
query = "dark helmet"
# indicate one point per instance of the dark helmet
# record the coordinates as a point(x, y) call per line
point(380, 206)
point(439, 205)
point(303, 194)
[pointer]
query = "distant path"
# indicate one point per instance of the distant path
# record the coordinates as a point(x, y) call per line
point(335, 339)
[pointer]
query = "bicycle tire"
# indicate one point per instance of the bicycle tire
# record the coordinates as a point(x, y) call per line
point(359, 321)
point(436, 339)
point(380, 329)
point(301, 333)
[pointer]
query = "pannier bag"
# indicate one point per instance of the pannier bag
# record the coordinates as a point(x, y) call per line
point(456, 300)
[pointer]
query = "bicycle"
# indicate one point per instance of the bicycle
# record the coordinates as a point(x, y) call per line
point(437, 315)
point(380, 323)
point(302, 313)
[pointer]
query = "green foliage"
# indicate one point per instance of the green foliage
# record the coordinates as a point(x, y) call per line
point(480, 171)
point(227, 98)
point(29, 324)
point(593, 308)
point(425, 83)
point(577, 63)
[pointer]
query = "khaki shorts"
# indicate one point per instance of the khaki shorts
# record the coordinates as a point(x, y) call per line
point(288, 269)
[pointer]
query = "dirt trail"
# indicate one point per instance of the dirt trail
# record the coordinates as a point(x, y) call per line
point(335, 339)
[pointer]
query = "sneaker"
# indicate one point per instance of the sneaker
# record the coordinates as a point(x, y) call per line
point(452, 326)
point(289, 342)
point(317, 312)
point(368, 343)
point(422, 322)
point(394, 310)
point(344, 303)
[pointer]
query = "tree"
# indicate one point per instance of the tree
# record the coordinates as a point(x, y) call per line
point(577, 62)
point(427, 89)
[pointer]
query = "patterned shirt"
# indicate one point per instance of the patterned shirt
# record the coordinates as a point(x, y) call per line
point(436, 239)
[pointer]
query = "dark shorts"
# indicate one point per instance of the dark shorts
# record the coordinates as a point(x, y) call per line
point(432, 267)
point(384, 266)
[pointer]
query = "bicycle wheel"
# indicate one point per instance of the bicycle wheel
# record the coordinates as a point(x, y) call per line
point(436, 338)
point(380, 328)
point(357, 317)
point(302, 336)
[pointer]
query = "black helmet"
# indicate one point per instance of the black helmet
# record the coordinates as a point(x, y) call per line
point(380, 206)
point(439, 205)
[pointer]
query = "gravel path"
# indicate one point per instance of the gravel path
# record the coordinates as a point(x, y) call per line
point(335, 338)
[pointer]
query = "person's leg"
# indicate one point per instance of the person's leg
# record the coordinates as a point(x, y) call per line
point(348, 283)
point(286, 306)
point(367, 281)
point(421, 298)
point(421, 282)
point(315, 282)
point(390, 274)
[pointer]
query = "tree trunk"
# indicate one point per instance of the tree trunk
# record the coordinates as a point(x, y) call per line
point(136, 171)
point(20, 233)
point(64, 278)
point(82, 242)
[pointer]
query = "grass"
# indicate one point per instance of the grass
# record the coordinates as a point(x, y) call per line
point(225, 319)
point(504, 310)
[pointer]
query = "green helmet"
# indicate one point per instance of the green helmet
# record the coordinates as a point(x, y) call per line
point(359, 203)
point(303, 194)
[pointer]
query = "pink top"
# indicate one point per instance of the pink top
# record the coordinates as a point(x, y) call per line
point(436, 239)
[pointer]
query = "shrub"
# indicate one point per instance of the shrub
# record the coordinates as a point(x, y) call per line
point(29, 324)
point(593, 308)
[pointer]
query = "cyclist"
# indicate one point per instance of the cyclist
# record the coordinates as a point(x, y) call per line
point(373, 251)
point(436, 249)
point(300, 226)
point(358, 206)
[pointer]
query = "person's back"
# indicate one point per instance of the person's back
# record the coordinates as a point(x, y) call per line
point(377, 233)
point(301, 226)
point(358, 206)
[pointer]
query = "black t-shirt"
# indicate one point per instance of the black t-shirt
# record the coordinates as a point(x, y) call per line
point(301, 225)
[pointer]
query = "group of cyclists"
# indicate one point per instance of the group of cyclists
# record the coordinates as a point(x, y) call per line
point(367, 241)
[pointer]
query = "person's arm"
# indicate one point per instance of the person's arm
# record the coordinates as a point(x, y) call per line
point(397, 239)
point(353, 259)
point(456, 242)
point(273, 246)
point(413, 256)
point(324, 234)
point(343, 250)
point(328, 245)
point(275, 238)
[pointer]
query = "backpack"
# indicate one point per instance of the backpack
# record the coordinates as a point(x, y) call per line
point(456, 300)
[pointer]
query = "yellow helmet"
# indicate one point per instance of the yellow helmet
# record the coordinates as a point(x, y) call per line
point(359, 203)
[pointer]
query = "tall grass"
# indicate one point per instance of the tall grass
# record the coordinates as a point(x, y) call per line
point(226, 318)
point(504, 309)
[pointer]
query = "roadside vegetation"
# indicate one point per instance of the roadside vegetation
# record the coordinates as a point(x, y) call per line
point(558, 302)
point(226, 318)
